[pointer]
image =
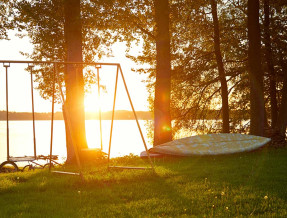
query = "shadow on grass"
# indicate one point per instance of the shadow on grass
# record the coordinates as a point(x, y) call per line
point(263, 170)
point(179, 186)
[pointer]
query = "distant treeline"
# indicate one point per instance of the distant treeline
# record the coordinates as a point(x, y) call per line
point(119, 115)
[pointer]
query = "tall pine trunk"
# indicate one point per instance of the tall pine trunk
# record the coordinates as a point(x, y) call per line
point(222, 78)
point(281, 123)
point(270, 65)
point(255, 70)
point(74, 79)
point(162, 119)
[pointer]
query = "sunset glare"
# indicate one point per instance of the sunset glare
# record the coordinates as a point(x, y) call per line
point(143, 108)
point(19, 81)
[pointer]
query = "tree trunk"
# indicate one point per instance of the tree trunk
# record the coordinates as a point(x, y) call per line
point(162, 119)
point(281, 123)
point(74, 79)
point(224, 89)
point(270, 65)
point(255, 70)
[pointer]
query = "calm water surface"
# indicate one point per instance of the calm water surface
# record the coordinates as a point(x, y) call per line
point(126, 137)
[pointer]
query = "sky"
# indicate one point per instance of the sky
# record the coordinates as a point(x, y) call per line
point(20, 87)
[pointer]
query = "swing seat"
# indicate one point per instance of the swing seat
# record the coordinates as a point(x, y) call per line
point(19, 159)
point(66, 173)
point(91, 154)
point(47, 157)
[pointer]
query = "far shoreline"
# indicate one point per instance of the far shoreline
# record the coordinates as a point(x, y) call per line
point(119, 115)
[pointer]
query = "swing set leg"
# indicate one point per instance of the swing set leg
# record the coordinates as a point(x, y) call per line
point(136, 118)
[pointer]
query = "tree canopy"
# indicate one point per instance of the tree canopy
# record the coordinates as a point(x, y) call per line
point(211, 47)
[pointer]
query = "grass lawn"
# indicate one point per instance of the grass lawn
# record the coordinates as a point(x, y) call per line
point(226, 186)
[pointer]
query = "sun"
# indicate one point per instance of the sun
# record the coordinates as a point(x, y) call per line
point(93, 102)
point(104, 102)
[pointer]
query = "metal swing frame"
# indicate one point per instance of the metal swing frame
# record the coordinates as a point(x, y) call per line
point(66, 114)
point(119, 69)
point(6, 64)
point(30, 159)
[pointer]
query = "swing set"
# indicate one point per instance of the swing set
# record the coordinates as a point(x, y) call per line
point(52, 159)
point(10, 165)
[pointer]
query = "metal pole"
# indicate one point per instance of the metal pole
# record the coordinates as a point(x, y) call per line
point(100, 110)
point(7, 112)
point(33, 112)
point(52, 118)
point(113, 114)
point(58, 62)
point(136, 117)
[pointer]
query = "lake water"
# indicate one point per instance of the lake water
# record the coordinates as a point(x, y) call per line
point(126, 137)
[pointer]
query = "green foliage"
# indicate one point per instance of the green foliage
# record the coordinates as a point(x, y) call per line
point(226, 186)
point(195, 84)
point(195, 81)
point(43, 22)
point(5, 21)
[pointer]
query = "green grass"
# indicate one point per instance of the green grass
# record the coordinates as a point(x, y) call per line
point(224, 186)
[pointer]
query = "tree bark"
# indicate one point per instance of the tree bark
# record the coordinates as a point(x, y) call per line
point(281, 123)
point(162, 118)
point(282, 117)
point(270, 65)
point(255, 70)
point(221, 71)
point(74, 79)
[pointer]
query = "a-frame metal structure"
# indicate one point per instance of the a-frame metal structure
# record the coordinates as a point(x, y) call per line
point(56, 82)
point(11, 162)
point(119, 69)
